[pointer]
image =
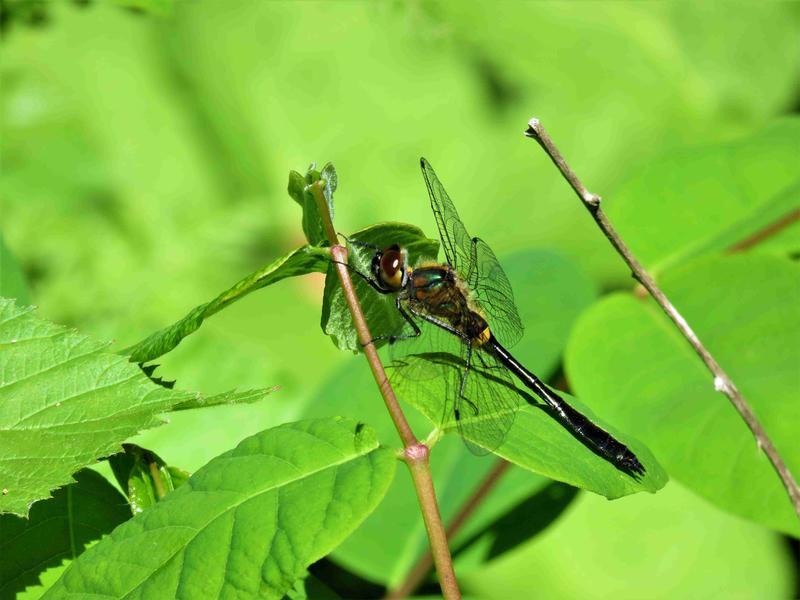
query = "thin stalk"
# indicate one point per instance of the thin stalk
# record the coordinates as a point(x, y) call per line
point(157, 482)
point(423, 566)
point(415, 454)
point(762, 234)
point(722, 381)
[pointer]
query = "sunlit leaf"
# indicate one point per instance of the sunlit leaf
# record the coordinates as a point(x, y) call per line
point(537, 442)
point(746, 310)
point(307, 259)
point(232, 397)
point(300, 190)
point(144, 476)
point(707, 199)
point(249, 522)
point(604, 549)
point(57, 529)
point(64, 402)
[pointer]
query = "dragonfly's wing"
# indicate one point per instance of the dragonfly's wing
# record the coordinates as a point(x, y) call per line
point(455, 239)
point(486, 404)
point(489, 283)
point(428, 370)
point(424, 371)
point(417, 357)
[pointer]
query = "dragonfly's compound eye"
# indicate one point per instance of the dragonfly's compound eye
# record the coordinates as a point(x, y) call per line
point(391, 271)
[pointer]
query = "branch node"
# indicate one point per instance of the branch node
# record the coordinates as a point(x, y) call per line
point(417, 453)
point(591, 199)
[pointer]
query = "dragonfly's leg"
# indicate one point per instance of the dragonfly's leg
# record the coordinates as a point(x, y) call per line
point(464, 375)
point(439, 323)
point(393, 338)
point(372, 283)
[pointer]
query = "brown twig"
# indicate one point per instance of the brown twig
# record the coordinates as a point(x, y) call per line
point(722, 382)
point(423, 566)
point(415, 454)
point(766, 232)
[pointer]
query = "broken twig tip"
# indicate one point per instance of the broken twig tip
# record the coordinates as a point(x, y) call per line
point(533, 128)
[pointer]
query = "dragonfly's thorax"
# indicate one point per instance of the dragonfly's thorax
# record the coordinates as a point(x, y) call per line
point(442, 295)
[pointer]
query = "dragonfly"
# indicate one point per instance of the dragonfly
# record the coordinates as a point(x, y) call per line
point(458, 321)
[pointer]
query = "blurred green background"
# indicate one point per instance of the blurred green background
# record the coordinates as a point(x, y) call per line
point(144, 167)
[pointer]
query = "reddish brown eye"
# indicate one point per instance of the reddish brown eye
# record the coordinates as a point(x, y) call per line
point(391, 271)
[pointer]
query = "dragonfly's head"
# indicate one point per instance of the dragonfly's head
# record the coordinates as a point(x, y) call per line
point(389, 268)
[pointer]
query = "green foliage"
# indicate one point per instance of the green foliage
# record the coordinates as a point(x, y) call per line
point(62, 395)
point(65, 402)
point(12, 281)
point(232, 397)
point(299, 189)
point(56, 529)
point(672, 544)
point(539, 443)
point(249, 522)
point(306, 259)
point(648, 379)
point(144, 476)
point(672, 209)
point(144, 169)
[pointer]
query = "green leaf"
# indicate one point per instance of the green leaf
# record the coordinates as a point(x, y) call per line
point(379, 310)
point(331, 179)
point(231, 397)
point(12, 280)
point(249, 522)
point(295, 188)
point(523, 521)
point(550, 291)
point(299, 189)
point(537, 442)
point(671, 545)
point(700, 200)
point(630, 362)
point(144, 476)
point(64, 402)
point(309, 587)
point(57, 529)
point(307, 259)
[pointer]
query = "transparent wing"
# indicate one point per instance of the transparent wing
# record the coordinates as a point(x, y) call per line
point(427, 371)
point(433, 346)
point(489, 283)
point(424, 371)
point(455, 239)
point(475, 263)
point(486, 405)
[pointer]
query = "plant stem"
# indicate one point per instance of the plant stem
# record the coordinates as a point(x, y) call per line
point(423, 566)
point(766, 232)
point(722, 382)
point(157, 482)
point(415, 454)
